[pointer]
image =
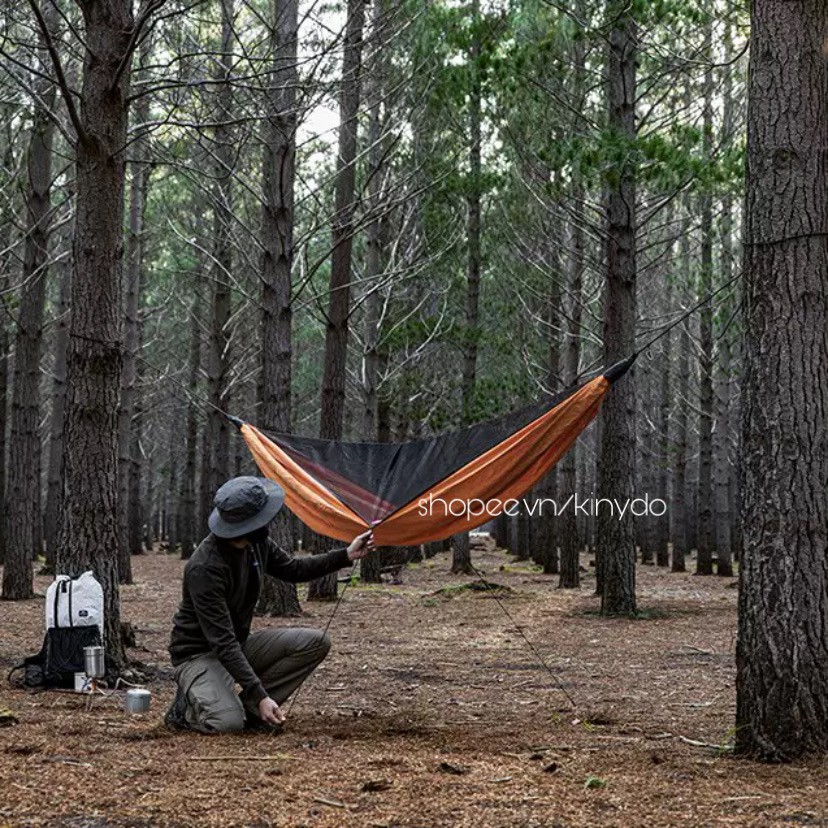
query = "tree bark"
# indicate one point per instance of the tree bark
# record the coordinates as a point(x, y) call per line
point(370, 567)
point(132, 336)
point(6, 226)
point(216, 462)
point(522, 536)
point(89, 536)
point(679, 508)
point(704, 514)
point(279, 598)
point(461, 549)
point(645, 459)
point(137, 512)
point(500, 531)
point(58, 408)
point(473, 199)
point(336, 339)
point(22, 510)
point(461, 556)
point(189, 528)
point(342, 233)
point(665, 386)
point(723, 379)
point(132, 341)
point(782, 649)
point(376, 230)
point(570, 548)
point(616, 538)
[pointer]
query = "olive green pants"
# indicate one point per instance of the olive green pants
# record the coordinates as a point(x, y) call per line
point(281, 658)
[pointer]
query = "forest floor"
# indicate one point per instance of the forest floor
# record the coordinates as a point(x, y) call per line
point(430, 711)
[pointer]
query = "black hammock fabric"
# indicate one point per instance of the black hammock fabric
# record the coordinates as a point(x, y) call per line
point(408, 492)
point(376, 479)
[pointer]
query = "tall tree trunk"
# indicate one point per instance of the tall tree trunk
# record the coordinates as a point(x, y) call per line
point(500, 531)
point(336, 336)
point(136, 511)
point(616, 538)
point(570, 546)
point(132, 334)
point(473, 253)
point(721, 436)
point(22, 510)
point(4, 386)
point(522, 536)
point(370, 567)
point(147, 500)
point(216, 465)
point(645, 459)
point(6, 227)
point(171, 500)
point(721, 440)
point(664, 392)
point(189, 516)
point(461, 554)
point(782, 649)
point(375, 241)
point(680, 489)
point(278, 597)
point(58, 408)
point(542, 528)
point(89, 535)
point(704, 560)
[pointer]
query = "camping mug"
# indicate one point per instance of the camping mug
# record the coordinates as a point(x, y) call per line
point(93, 659)
point(137, 700)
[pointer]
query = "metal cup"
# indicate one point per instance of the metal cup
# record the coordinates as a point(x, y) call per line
point(137, 700)
point(94, 662)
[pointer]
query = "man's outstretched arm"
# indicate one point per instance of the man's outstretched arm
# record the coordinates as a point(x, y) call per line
point(285, 567)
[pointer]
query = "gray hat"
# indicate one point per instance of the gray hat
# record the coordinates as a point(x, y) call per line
point(243, 505)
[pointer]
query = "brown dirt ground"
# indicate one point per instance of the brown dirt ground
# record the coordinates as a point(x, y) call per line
point(418, 678)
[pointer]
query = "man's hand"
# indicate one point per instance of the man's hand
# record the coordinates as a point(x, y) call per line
point(270, 712)
point(360, 546)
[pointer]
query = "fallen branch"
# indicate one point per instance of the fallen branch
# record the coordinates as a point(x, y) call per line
point(231, 758)
point(697, 743)
point(698, 649)
point(332, 802)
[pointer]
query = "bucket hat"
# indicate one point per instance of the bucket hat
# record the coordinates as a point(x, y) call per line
point(243, 505)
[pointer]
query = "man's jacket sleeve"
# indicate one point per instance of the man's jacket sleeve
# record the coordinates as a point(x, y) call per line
point(285, 567)
point(207, 592)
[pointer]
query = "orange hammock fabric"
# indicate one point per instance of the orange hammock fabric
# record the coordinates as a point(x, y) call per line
point(341, 489)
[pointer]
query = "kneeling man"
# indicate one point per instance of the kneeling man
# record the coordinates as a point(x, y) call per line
point(211, 647)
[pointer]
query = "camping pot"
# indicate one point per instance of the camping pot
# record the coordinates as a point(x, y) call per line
point(137, 700)
point(93, 659)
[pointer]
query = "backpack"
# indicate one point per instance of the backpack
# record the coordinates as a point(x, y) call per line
point(74, 602)
point(74, 620)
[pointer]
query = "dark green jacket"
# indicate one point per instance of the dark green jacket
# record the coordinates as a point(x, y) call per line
point(219, 594)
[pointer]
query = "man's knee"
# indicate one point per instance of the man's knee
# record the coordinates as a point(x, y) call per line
point(316, 644)
point(227, 720)
point(311, 645)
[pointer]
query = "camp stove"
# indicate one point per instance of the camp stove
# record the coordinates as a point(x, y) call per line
point(94, 663)
point(136, 699)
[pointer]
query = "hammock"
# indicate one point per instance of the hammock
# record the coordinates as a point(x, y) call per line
point(429, 489)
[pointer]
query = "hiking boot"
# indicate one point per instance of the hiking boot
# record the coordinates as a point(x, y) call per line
point(175, 718)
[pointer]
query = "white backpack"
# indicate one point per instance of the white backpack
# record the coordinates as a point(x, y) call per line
point(75, 602)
